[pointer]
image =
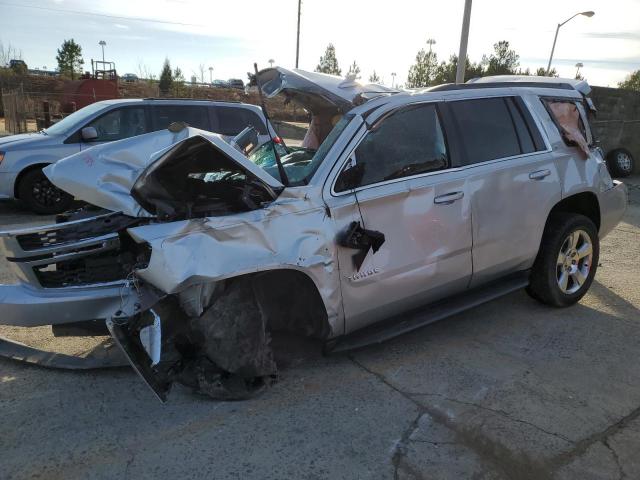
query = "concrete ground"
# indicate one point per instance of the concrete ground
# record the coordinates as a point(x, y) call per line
point(509, 390)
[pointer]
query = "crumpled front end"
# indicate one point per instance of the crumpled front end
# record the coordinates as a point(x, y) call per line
point(232, 283)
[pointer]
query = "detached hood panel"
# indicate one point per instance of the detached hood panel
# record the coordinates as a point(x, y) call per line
point(105, 175)
point(318, 92)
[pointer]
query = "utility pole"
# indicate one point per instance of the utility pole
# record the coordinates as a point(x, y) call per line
point(298, 34)
point(393, 79)
point(464, 39)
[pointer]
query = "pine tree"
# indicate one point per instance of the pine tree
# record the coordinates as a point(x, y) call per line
point(354, 69)
point(422, 73)
point(329, 62)
point(503, 61)
point(374, 77)
point(166, 77)
point(70, 59)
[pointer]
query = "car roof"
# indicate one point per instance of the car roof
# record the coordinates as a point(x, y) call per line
point(491, 87)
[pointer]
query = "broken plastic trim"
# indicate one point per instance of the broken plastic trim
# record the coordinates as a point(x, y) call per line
point(361, 239)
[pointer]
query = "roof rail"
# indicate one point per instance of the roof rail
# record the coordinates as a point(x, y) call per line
point(191, 99)
point(472, 86)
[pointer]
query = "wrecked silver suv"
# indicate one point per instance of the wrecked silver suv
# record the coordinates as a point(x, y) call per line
point(410, 207)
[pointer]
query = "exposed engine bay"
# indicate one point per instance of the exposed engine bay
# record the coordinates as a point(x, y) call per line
point(193, 180)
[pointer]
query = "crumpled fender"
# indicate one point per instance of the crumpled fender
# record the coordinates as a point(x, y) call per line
point(290, 233)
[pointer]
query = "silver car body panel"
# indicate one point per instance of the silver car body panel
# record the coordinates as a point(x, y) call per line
point(105, 175)
point(430, 250)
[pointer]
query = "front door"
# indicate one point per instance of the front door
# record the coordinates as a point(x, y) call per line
point(407, 193)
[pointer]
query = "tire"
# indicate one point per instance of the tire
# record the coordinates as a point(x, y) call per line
point(564, 268)
point(621, 163)
point(40, 195)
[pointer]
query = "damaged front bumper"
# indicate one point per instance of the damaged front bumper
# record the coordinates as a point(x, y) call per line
point(26, 306)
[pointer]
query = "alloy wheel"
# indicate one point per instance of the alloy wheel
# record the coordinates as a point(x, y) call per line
point(574, 261)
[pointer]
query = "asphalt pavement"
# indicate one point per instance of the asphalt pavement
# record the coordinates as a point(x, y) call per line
point(509, 390)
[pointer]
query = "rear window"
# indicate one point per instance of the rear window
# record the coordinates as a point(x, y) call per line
point(194, 116)
point(493, 128)
point(232, 120)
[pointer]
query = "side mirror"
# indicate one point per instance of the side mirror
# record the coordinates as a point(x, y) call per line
point(350, 178)
point(89, 134)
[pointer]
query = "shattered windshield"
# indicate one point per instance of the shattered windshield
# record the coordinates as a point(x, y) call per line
point(300, 163)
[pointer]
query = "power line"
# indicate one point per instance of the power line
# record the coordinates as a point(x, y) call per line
point(103, 15)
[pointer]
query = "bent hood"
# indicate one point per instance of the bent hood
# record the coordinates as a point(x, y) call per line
point(318, 92)
point(105, 175)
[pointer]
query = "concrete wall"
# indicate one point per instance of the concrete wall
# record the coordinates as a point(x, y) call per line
point(617, 123)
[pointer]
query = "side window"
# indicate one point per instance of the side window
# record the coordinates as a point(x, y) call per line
point(232, 120)
point(194, 116)
point(486, 129)
point(407, 142)
point(569, 122)
point(119, 124)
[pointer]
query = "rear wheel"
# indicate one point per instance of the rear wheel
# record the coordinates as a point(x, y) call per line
point(620, 162)
point(567, 260)
point(40, 195)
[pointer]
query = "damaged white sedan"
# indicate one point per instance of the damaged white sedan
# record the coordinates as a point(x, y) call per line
point(400, 209)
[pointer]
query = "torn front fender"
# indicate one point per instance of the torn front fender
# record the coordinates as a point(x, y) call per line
point(293, 232)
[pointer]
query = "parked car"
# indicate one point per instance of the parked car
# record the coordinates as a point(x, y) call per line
point(235, 83)
point(416, 206)
point(22, 157)
point(130, 77)
point(220, 83)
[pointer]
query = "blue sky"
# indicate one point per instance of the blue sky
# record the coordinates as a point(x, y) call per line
point(378, 34)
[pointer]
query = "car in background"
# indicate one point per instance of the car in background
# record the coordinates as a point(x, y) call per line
point(236, 83)
point(22, 157)
point(130, 77)
point(220, 84)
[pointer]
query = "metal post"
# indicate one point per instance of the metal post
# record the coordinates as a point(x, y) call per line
point(464, 38)
point(298, 34)
point(553, 48)
point(47, 114)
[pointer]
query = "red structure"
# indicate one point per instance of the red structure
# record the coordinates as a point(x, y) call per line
point(101, 84)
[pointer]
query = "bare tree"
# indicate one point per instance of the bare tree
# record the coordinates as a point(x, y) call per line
point(201, 69)
point(9, 52)
point(144, 72)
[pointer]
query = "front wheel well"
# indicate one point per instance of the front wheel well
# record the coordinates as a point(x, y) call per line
point(30, 168)
point(291, 301)
point(585, 203)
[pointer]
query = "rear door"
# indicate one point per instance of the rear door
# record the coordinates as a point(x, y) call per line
point(513, 182)
point(408, 193)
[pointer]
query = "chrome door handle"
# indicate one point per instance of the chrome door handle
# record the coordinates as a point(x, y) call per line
point(448, 198)
point(539, 174)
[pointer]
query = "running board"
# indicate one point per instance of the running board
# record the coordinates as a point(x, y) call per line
point(410, 321)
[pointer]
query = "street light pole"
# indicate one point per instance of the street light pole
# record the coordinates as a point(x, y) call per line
point(464, 38)
point(298, 34)
point(210, 74)
point(553, 48)
point(393, 79)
